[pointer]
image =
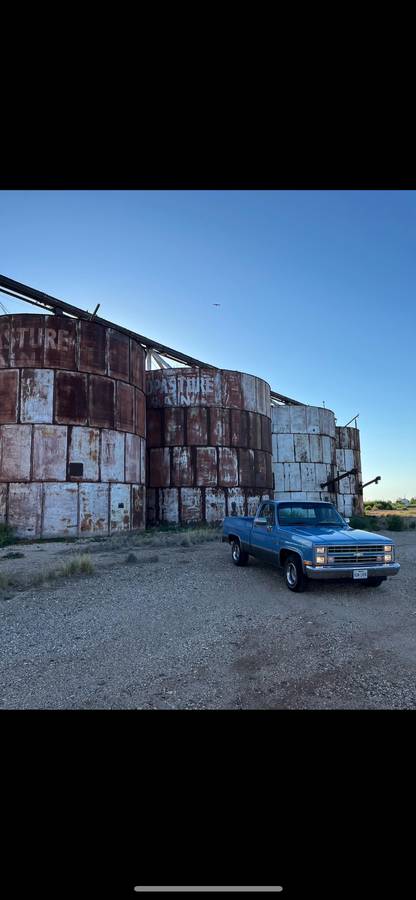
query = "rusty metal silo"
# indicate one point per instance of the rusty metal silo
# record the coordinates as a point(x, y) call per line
point(208, 444)
point(348, 456)
point(303, 439)
point(72, 427)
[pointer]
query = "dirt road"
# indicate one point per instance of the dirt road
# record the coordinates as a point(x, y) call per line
point(182, 627)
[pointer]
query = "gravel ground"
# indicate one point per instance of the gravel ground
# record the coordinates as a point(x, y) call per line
point(187, 629)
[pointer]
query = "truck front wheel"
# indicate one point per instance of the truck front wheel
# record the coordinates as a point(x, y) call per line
point(240, 557)
point(295, 579)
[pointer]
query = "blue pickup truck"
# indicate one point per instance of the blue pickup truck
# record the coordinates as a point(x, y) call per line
point(310, 540)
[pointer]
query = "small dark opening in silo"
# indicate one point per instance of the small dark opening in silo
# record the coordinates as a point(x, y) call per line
point(121, 505)
point(76, 469)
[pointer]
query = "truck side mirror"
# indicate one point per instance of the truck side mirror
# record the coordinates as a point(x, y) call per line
point(261, 520)
point(347, 520)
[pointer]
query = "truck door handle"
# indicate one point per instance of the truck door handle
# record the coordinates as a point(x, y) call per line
point(270, 528)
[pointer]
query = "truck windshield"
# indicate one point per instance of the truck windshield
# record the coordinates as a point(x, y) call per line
point(309, 514)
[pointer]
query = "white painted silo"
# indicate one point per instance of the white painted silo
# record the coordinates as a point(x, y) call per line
point(303, 448)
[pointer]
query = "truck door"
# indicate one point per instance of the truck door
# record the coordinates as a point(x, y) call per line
point(264, 535)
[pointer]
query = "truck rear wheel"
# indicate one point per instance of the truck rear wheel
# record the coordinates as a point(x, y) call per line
point(295, 579)
point(239, 556)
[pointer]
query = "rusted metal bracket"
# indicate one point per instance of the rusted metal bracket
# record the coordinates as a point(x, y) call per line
point(373, 481)
point(330, 484)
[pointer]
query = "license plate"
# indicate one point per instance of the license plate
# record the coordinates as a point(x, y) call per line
point(360, 573)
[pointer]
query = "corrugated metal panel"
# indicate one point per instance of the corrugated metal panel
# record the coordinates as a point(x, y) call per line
point(102, 402)
point(140, 420)
point(4, 343)
point(125, 406)
point(168, 506)
point(174, 427)
point(236, 502)
point(197, 426)
point(119, 507)
point(26, 341)
point(182, 467)
point(232, 395)
point(214, 505)
point(188, 386)
point(159, 467)
point(93, 508)
point(302, 451)
point(136, 364)
point(133, 458)
point(60, 510)
point(239, 428)
point(246, 468)
point(84, 447)
point(15, 444)
point(219, 427)
point(9, 392)
point(112, 455)
point(92, 351)
point(227, 467)
point(118, 355)
point(138, 508)
point(154, 427)
point(71, 404)
point(191, 505)
point(49, 452)
point(206, 466)
point(60, 343)
point(25, 508)
point(211, 390)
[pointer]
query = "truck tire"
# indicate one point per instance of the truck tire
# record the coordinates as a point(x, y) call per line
point(294, 577)
point(239, 556)
point(373, 582)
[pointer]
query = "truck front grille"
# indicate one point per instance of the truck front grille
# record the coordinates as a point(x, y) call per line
point(356, 554)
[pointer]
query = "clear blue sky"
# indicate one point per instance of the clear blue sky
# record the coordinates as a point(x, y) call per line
point(317, 290)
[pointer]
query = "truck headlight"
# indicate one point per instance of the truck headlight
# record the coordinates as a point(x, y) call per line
point(320, 560)
point(320, 556)
point(388, 557)
point(388, 548)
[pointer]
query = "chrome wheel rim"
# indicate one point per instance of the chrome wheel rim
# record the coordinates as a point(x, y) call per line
point(236, 552)
point(291, 574)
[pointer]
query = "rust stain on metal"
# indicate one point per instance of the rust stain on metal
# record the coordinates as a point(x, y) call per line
point(191, 505)
point(9, 388)
point(169, 505)
point(239, 428)
point(93, 507)
point(174, 427)
point(26, 340)
point(246, 466)
point(182, 467)
point(15, 444)
point(49, 452)
point(206, 466)
point(159, 467)
point(236, 502)
point(266, 434)
point(211, 387)
point(254, 428)
point(138, 514)
point(101, 401)
point(197, 426)
point(125, 407)
point(133, 458)
point(153, 427)
point(118, 355)
point(60, 510)
point(227, 467)
point(36, 395)
point(260, 470)
point(140, 414)
point(232, 395)
point(119, 507)
point(60, 343)
point(3, 502)
point(4, 343)
point(71, 405)
point(188, 388)
point(112, 455)
point(214, 505)
point(92, 350)
point(25, 505)
point(84, 446)
point(137, 364)
point(220, 427)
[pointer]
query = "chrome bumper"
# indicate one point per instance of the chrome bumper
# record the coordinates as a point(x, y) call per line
point(319, 572)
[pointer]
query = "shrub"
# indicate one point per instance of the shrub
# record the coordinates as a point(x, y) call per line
point(412, 524)
point(395, 523)
point(366, 523)
point(6, 535)
point(82, 564)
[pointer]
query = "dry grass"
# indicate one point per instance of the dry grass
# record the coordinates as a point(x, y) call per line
point(78, 565)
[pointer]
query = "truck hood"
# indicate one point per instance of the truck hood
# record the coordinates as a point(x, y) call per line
point(326, 534)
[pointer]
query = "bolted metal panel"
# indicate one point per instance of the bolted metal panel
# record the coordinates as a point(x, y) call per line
point(4, 342)
point(249, 392)
point(102, 401)
point(138, 506)
point(188, 387)
point(169, 506)
point(279, 477)
point(119, 507)
point(153, 427)
point(143, 477)
point(133, 458)
point(112, 455)
point(220, 427)
point(125, 406)
point(151, 500)
point(93, 508)
point(227, 467)
point(206, 466)
point(297, 416)
point(262, 406)
point(49, 452)
point(211, 388)
point(328, 449)
point(191, 505)
point(285, 448)
point(26, 340)
point(316, 450)
point(15, 444)
point(3, 502)
point(254, 431)
point(302, 448)
point(197, 426)
point(312, 419)
point(246, 468)
point(174, 427)
point(236, 502)
point(84, 447)
point(118, 355)
point(322, 474)
point(137, 357)
point(239, 428)
point(36, 395)
point(281, 419)
point(253, 500)
point(9, 394)
point(71, 399)
point(292, 477)
point(25, 509)
point(140, 414)
point(60, 510)
point(260, 470)
point(340, 460)
point(269, 474)
point(159, 467)
point(266, 434)
point(60, 343)
point(214, 505)
point(92, 350)
point(182, 467)
point(307, 477)
point(232, 395)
